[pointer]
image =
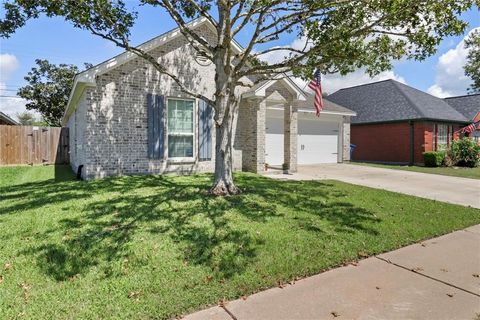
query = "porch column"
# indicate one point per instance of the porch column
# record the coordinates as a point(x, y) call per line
point(252, 120)
point(260, 130)
point(290, 136)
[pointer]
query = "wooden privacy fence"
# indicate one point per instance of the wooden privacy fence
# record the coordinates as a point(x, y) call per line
point(33, 145)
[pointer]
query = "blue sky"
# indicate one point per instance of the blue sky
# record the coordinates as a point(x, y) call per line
point(57, 41)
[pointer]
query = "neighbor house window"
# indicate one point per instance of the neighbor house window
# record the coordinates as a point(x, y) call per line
point(442, 136)
point(180, 128)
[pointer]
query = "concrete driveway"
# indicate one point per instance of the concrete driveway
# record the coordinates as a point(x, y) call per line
point(456, 190)
point(437, 279)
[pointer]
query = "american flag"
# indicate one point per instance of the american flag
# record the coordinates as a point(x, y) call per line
point(316, 86)
point(470, 128)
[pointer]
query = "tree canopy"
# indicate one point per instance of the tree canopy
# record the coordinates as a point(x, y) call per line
point(26, 118)
point(472, 67)
point(340, 36)
point(48, 89)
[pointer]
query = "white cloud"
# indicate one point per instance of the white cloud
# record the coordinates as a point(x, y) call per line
point(8, 64)
point(334, 82)
point(11, 106)
point(278, 55)
point(331, 82)
point(451, 79)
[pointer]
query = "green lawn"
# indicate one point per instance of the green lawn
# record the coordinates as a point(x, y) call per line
point(473, 173)
point(158, 247)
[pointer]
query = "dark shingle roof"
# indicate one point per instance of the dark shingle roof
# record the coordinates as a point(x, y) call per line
point(327, 105)
point(469, 105)
point(391, 100)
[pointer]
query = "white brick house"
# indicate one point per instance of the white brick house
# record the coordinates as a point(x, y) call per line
point(124, 117)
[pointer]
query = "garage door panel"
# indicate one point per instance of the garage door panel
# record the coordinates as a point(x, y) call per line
point(274, 149)
point(317, 142)
point(316, 127)
point(274, 141)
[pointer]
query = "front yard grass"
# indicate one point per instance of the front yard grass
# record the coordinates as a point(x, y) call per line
point(473, 173)
point(158, 247)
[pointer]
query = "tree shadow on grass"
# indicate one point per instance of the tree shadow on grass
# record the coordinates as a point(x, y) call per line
point(205, 229)
point(321, 200)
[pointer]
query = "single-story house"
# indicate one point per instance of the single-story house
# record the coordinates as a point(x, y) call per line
point(124, 117)
point(469, 106)
point(7, 120)
point(396, 123)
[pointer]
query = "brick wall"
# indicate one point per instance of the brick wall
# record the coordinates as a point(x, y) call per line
point(423, 140)
point(112, 127)
point(346, 134)
point(390, 142)
point(77, 132)
point(381, 142)
point(251, 134)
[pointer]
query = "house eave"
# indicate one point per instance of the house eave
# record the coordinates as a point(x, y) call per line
point(79, 85)
point(335, 113)
point(260, 91)
point(8, 119)
point(408, 120)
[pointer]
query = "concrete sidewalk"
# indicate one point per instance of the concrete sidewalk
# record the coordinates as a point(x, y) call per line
point(455, 190)
point(437, 279)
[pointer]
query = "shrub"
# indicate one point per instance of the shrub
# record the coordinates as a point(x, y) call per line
point(448, 161)
point(433, 158)
point(465, 152)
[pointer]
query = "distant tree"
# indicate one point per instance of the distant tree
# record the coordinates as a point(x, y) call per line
point(26, 118)
point(48, 89)
point(472, 68)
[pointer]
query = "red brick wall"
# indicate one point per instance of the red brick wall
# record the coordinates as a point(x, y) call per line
point(381, 142)
point(391, 142)
point(456, 133)
point(423, 140)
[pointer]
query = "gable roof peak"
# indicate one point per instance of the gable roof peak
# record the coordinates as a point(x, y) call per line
point(368, 84)
point(391, 100)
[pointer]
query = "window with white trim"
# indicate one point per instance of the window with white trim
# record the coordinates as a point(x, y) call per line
point(442, 136)
point(180, 128)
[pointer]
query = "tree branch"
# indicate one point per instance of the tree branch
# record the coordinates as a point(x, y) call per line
point(160, 68)
point(189, 34)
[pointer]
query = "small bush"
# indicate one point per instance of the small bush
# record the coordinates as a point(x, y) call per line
point(448, 161)
point(465, 152)
point(433, 158)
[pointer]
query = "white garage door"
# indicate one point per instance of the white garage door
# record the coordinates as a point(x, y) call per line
point(274, 141)
point(317, 141)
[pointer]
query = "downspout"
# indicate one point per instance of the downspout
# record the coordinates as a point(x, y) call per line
point(412, 143)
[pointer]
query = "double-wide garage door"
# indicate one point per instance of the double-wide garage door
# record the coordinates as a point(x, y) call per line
point(317, 140)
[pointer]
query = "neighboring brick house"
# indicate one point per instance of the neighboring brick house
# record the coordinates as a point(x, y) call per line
point(396, 123)
point(6, 120)
point(469, 106)
point(124, 117)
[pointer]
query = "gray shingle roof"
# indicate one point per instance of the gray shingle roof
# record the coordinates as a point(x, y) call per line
point(469, 105)
point(390, 100)
point(327, 105)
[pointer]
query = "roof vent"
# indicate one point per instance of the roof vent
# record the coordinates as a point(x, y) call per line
point(202, 58)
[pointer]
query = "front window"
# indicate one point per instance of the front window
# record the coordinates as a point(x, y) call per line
point(442, 136)
point(180, 128)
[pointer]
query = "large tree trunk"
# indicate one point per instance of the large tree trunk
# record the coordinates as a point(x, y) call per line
point(225, 105)
point(223, 184)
